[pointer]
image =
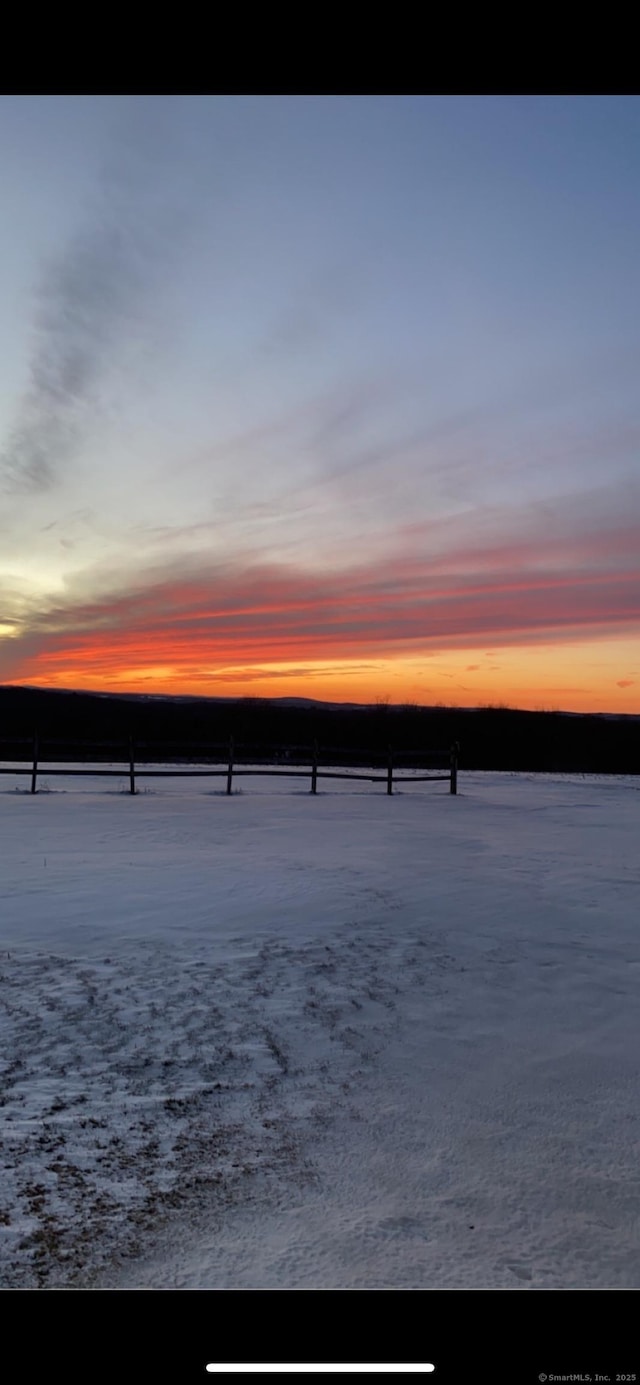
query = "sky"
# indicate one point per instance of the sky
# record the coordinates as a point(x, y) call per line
point(323, 396)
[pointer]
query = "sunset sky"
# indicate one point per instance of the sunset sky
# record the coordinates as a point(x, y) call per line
point(333, 397)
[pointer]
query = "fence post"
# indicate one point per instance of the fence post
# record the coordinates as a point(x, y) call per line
point(453, 760)
point(230, 770)
point(314, 767)
point(34, 772)
point(390, 772)
point(132, 771)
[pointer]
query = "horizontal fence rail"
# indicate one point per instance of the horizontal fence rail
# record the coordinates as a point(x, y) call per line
point(234, 761)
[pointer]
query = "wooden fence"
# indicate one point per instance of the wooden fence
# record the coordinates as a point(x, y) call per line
point(231, 761)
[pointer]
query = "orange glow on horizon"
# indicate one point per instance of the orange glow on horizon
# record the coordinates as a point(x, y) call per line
point(532, 677)
point(403, 631)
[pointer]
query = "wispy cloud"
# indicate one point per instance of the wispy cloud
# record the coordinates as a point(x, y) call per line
point(242, 613)
point(87, 305)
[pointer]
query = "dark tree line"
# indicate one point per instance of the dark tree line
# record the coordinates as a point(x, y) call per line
point(490, 738)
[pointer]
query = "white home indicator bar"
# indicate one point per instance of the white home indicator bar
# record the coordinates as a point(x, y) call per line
point(315, 1369)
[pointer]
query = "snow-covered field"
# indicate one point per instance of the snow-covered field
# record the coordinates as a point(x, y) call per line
point(345, 1041)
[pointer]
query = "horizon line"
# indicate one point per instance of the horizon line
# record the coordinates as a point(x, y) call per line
point(378, 704)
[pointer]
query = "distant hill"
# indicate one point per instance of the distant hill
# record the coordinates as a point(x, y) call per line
point(496, 738)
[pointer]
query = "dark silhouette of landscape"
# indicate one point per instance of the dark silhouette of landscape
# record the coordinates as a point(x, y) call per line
point(489, 738)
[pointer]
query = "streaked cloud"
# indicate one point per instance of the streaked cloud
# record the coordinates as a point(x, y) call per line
point(87, 307)
point(305, 407)
point(187, 615)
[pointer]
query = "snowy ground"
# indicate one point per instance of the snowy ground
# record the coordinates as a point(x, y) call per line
point(344, 1041)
